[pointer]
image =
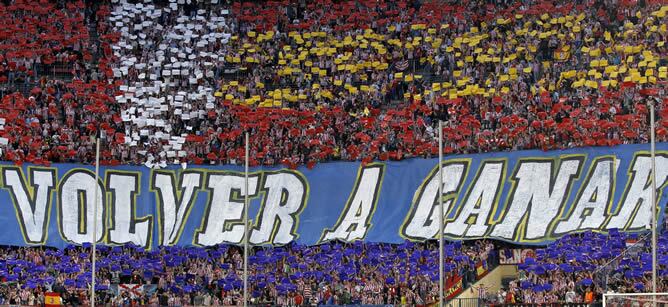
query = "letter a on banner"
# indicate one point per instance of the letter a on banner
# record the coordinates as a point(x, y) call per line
point(479, 202)
point(594, 198)
point(355, 220)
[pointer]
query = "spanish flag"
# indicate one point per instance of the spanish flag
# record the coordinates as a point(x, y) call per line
point(52, 299)
point(481, 269)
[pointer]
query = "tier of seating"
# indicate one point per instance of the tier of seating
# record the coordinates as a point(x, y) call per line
point(580, 268)
point(575, 269)
point(311, 81)
point(364, 273)
point(319, 81)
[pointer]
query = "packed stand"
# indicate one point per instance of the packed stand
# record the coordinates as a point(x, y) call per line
point(169, 60)
point(52, 122)
point(367, 80)
point(580, 268)
point(365, 273)
point(352, 80)
point(36, 34)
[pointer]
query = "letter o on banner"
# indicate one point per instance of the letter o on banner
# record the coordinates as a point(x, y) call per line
point(75, 207)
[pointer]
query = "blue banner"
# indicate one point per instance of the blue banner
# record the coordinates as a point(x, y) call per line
point(530, 197)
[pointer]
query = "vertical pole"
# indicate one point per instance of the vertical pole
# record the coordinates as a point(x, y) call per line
point(654, 217)
point(94, 253)
point(440, 213)
point(246, 223)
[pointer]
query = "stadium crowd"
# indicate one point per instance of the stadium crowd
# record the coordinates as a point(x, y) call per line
point(581, 268)
point(165, 82)
point(331, 273)
point(577, 268)
point(169, 83)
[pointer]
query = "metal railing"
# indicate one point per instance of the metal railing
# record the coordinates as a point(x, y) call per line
point(54, 70)
point(603, 272)
point(557, 304)
point(464, 302)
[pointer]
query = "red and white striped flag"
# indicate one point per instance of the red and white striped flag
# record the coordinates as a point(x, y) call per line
point(133, 290)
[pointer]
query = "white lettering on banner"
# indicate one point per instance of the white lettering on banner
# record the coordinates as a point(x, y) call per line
point(75, 206)
point(421, 222)
point(473, 217)
point(355, 220)
point(32, 201)
point(634, 210)
point(174, 205)
point(515, 255)
point(536, 190)
point(285, 197)
point(223, 219)
point(595, 196)
point(125, 227)
point(538, 202)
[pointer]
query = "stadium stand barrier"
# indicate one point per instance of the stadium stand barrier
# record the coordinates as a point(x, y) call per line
point(464, 302)
point(555, 304)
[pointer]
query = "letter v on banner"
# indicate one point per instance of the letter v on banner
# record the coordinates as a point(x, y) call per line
point(174, 204)
point(32, 201)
